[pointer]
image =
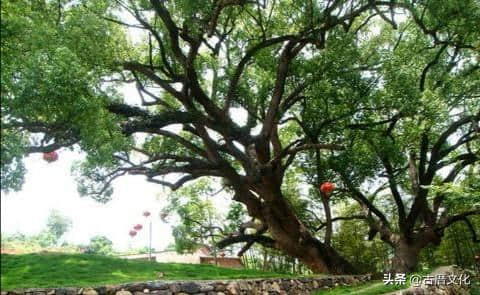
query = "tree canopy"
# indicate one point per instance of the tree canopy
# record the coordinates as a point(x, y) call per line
point(273, 97)
point(58, 224)
point(100, 245)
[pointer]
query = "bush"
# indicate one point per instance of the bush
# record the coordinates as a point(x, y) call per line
point(100, 245)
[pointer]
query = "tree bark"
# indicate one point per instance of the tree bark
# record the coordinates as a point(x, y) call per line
point(405, 259)
point(294, 239)
point(328, 220)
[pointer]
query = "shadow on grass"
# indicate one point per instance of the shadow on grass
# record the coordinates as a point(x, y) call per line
point(54, 270)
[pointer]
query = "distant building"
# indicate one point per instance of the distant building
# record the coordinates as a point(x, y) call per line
point(230, 262)
point(201, 256)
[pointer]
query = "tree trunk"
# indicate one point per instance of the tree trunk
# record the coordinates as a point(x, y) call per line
point(406, 256)
point(321, 258)
point(288, 233)
point(328, 217)
point(294, 239)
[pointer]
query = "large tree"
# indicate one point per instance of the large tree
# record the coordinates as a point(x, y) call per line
point(425, 150)
point(58, 224)
point(199, 65)
point(411, 160)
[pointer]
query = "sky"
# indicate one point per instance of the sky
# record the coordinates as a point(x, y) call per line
point(51, 186)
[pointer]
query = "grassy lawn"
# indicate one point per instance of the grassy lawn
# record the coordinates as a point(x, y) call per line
point(54, 270)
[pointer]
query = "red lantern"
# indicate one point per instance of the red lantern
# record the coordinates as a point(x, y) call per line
point(50, 156)
point(327, 188)
point(138, 227)
point(146, 213)
point(132, 233)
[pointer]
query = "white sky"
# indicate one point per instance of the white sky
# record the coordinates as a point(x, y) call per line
point(51, 186)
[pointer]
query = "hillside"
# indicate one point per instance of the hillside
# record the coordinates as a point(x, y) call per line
point(55, 269)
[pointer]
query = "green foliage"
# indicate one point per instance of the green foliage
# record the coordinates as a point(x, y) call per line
point(53, 61)
point(350, 240)
point(235, 216)
point(43, 241)
point(58, 224)
point(461, 195)
point(200, 223)
point(12, 168)
point(145, 250)
point(375, 256)
point(196, 213)
point(100, 245)
point(46, 238)
point(267, 259)
point(457, 248)
point(67, 270)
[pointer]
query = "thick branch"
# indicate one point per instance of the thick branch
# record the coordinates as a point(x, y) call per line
point(341, 218)
point(261, 239)
point(243, 62)
point(467, 159)
point(364, 202)
point(459, 217)
point(394, 189)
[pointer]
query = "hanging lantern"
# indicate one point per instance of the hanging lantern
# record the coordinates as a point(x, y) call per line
point(146, 213)
point(138, 227)
point(132, 233)
point(327, 188)
point(50, 156)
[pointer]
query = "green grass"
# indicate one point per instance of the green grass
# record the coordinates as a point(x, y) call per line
point(76, 270)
